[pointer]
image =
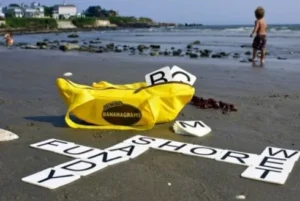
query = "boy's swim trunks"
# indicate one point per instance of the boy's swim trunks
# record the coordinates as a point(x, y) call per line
point(259, 42)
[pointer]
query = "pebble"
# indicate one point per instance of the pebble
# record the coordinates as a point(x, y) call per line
point(68, 74)
point(240, 197)
point(7, 135)
point(169, 184)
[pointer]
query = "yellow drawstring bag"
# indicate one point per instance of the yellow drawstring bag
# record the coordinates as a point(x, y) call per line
point(123, 107)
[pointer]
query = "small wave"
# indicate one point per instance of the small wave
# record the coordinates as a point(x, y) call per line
point(280, 30)
point(284, 28)
point(124, 30)
point(240, 29)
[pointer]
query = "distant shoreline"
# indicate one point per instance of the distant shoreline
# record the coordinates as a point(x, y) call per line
point(45, 31)
point(68, 30)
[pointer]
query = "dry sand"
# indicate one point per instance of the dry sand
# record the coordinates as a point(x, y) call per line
point(268, 115)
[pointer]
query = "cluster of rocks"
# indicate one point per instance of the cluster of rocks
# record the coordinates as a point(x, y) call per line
point(192, 50)
point(152, 50)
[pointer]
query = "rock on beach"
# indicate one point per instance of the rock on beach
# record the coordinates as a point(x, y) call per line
point(7, 135)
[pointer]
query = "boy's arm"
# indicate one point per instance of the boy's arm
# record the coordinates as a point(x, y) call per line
point(255, 28)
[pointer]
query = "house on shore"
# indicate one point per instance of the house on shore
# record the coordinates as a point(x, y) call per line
point(64, 11)
point(35, 10)
point(2, 15)
point(13, 10)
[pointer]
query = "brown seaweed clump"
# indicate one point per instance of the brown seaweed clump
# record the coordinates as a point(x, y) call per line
point(212, 103)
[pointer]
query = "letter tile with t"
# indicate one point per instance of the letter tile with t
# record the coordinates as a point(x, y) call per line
point(265, 175)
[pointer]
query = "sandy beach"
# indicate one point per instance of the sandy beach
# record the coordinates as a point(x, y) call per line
point(268, 115)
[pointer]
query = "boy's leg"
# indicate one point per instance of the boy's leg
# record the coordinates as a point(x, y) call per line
point(254, 54)
point(262, 56)
point(263, 51)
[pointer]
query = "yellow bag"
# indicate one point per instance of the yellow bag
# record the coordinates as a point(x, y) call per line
point(123, 107)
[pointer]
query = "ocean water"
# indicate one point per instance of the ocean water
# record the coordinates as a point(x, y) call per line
point(283, 40)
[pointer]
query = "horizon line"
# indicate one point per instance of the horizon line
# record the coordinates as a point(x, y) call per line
point(239, 24)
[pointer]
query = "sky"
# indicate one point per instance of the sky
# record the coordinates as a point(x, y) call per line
point(207, 12)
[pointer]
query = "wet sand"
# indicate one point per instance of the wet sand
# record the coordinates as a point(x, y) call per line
point(268, 115)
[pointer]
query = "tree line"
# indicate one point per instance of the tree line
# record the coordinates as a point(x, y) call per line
point(96, 12)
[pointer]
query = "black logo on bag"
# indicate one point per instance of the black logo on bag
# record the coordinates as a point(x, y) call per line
point(118, 113)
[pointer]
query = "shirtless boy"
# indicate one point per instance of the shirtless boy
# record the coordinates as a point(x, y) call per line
point(260, 40)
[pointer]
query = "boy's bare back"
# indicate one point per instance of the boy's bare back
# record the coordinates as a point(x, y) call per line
point(261, 27)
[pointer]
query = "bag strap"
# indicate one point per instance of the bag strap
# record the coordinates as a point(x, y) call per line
point(73, 124)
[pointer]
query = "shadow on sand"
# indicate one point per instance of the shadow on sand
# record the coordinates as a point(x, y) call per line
point(255, 65)
point(56, 121)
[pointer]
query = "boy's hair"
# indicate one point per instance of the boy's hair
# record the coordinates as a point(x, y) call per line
point(259, 12)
